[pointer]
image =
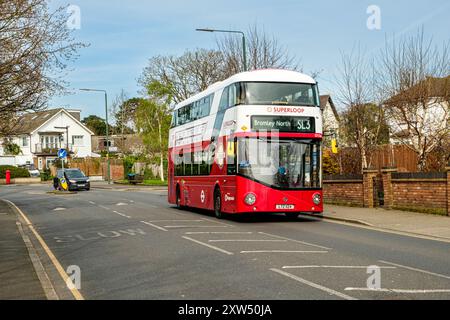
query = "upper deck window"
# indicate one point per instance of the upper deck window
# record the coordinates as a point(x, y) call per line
point(294, 94)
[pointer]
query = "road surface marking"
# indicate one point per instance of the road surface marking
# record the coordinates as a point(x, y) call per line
point(92, 202)
point(193, 226)
point(154, 226)
point(242, 240)
point(60, 209)
point(46, 284)
point(209, 246)
point(154, 221)
point(121, 204)
point(400, 290)
point(199, 232)
point(314, 285)
point(333, 267)
point(415, 269)
point(298, 241)
point(215, 221)
point(281, 251)
point(122, 214)
point(103, 207)
point(77, 295)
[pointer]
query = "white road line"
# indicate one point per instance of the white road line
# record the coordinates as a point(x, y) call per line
point(122, 214)
point(215, 221)
point(209, 246)
point(154, 226)
point(103, 207)
point(176, 221)
point(333, 267)
point(281, 251)
point(415, 269)
point(243, 240)
point(199, 232)
point(298, 241)
point(314, 285)
point(92, 202)
point(400, 290)
point(193, 226)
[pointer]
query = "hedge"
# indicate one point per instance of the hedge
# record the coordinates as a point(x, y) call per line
point(15, 172)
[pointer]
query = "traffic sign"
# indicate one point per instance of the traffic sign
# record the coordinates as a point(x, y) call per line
point(62, 154)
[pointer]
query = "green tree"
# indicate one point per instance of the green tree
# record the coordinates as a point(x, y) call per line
point(153, 120)
point(96, 124)
point(125, 115)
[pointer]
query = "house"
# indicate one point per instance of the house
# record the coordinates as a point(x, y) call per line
point(41, 134)
point(422, 111)
point(122, 144)
point(331, 121)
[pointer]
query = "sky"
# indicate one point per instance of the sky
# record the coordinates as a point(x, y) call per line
point(124, 35)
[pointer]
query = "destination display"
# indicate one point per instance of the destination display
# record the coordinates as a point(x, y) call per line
point(284, 124)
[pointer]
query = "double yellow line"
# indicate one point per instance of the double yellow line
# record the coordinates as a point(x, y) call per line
point(76, 294)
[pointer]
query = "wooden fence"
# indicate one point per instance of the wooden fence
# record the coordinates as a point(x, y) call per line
point(400, 156)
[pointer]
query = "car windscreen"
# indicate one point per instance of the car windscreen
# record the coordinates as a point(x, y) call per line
point(75, 174)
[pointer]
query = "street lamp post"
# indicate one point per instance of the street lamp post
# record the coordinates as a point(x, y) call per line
point(244, 47)
point(107, 131)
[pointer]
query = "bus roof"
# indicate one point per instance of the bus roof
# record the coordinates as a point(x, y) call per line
point(264, 75)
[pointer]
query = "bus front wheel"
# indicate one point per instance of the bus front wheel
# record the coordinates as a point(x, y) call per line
point(218, 204)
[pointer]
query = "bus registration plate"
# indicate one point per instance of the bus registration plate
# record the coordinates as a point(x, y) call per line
point(285, 207)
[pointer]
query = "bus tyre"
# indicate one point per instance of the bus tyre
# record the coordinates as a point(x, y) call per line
point(178, 195)
point(218, 204)
point(292, 215)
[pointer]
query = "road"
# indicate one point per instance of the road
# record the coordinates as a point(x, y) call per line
point(133, 245)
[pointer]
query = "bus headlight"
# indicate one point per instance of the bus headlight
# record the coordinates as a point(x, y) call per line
point(317, 199)
point(250, 199)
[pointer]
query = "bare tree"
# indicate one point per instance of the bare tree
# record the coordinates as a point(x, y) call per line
point(186, 75)
point(415, 78)
point(263, 51)
point(196, 70)
point(363, 119)
point(36, 46)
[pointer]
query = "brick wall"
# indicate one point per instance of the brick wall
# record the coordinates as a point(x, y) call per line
point(419, 191)
point(346, 190)
point(423, 192)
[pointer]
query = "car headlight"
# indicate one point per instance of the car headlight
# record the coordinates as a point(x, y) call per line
point(88, 180)
point(72, 181)
point(250, 199)
point(317, 199)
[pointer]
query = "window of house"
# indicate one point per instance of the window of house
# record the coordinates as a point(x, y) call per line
point(25, 142)
point(77, 140)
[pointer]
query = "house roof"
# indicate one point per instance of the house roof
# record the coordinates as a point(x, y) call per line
point(428, 88)
point(31, 122)
point(324, 100)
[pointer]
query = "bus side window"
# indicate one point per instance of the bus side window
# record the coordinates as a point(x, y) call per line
point(224, 100)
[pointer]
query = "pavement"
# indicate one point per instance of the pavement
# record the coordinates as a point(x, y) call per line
point(18, 277)
point(133, 245)
point(395, 220)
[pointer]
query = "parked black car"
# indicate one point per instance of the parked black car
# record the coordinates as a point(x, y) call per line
point(75, 179)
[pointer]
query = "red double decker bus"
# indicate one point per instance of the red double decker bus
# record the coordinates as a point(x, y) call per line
point(249, 144)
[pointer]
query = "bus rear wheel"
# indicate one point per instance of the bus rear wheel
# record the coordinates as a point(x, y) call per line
point(178, 200)
point(218, 204)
